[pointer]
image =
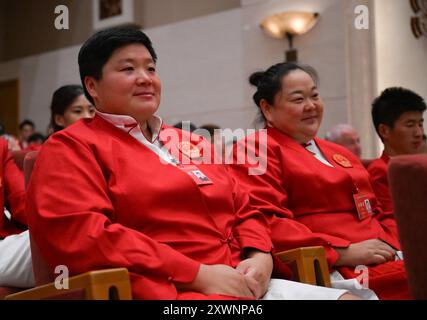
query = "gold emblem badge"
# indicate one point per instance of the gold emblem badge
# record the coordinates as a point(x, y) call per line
point(189, 149)
point(342, 161)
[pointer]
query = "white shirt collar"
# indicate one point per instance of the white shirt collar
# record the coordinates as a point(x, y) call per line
point(131, 127)
point(127, 123)
point(312, 147)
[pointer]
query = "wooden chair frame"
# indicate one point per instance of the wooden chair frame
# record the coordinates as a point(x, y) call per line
point(114, 284)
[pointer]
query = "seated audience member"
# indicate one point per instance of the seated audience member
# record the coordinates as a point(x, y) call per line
point(397, 115)
point(212, 129)
point(345, 135)
point(186, 126)
point(26, 129)
point(68, 105)
point(12, 141)
point(214, 136)
point(424, 145)
point(35, 141)
point(125, 190)
point(314, 192)
point(15, 255)
point(49, 130)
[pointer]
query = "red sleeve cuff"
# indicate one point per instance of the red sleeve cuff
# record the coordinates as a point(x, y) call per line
point(252, 241)
point(332, 255)
point(182, 269)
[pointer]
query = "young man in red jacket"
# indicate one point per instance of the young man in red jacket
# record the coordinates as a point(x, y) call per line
point(398, 119)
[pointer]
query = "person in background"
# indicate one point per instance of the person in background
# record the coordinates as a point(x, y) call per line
point(36, 141)
point(213, 133)
point(212, 129)
point(345, 135)
point(424, 145)
point(26, 129)
point(15, 254)
point(185, 125)
point(12, 141)
point(397, 115)
point(69, 105)
point(315, 192)
point(118, 191)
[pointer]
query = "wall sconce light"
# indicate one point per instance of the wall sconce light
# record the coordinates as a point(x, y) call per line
point(419, 22)
point(287, 25)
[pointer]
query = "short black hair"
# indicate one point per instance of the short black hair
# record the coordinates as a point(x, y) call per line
point(36, 137)
point(185, 125)
point(25, 123)
point(210, 128)
point(392, 103)
point(269, 82)
point(62, 98)
point(96, 51)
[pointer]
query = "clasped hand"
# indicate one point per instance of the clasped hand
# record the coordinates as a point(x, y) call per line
point(248, 280)
point(368, 252)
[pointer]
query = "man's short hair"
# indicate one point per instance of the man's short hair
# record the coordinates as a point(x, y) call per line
point(185, 125)
point(26, 122)
point(96, 51)
point(392, 103)
point(210, 128)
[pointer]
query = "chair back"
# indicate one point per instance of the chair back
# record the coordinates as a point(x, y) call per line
point(408, 187)
point(110, 284)
point(18, 157)
point(40, 267)
point(28, 164)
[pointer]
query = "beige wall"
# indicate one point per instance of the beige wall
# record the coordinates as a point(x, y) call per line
point(400, 58)
point(205, 79)
point(153, 13)
point(205, 63)
point(360, 67)
point(29, 24)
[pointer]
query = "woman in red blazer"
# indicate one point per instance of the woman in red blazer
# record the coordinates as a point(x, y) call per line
point(314, 192)
point(69, 105)
point(125, 190)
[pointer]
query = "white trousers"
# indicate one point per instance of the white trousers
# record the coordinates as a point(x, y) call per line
point(353, 286)
point(16, 268)
point(279, 289)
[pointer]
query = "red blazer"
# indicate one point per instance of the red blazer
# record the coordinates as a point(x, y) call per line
point(12, 194)
point(98, 198)
point(378, 173)
point(309, 203)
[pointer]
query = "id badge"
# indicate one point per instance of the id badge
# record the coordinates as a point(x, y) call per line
point(363, 205)
point(196, 174)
